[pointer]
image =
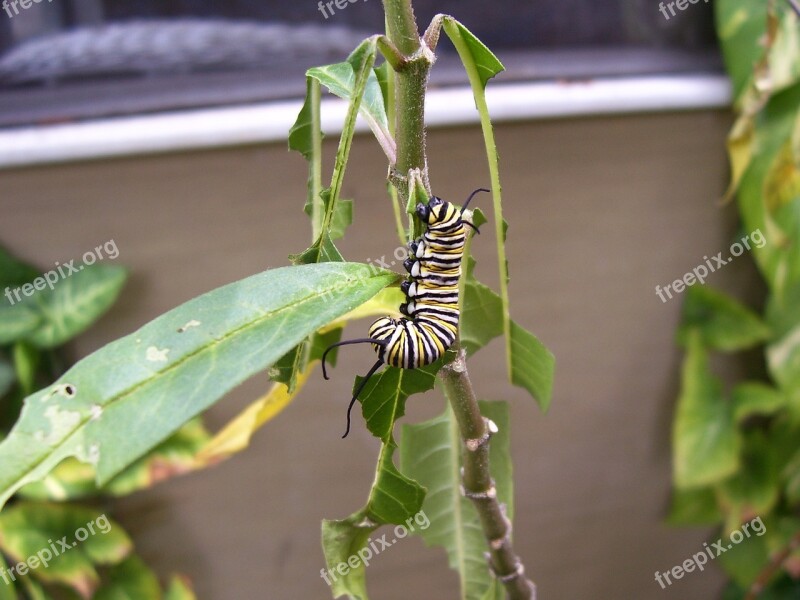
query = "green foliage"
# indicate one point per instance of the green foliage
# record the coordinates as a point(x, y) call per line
point(29, 528)
point(723, 323)
point(533, 365)
point(224, 336)
point(126, 416)
point(431, 455)
point(705, 439)
point(737, 456)
point(52, 316)
point(530, 365)
point(129, 579)
point(394, 496)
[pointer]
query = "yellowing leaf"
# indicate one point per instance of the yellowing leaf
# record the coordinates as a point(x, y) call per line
point(236, 435)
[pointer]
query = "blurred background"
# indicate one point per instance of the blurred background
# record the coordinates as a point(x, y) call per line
point(162, 125)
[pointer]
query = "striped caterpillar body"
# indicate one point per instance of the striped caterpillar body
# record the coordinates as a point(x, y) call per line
point(430, 324)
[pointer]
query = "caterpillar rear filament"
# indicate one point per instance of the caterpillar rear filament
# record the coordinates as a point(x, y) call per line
point(431, 323)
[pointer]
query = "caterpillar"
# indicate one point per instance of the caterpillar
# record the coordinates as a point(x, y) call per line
point(430, 324)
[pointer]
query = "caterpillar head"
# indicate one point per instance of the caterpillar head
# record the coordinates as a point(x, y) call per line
point(436, 212)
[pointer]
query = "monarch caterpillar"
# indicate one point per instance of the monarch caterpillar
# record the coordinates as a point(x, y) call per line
point(431, 323)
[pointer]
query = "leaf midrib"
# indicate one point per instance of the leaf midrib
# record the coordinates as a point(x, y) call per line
point(167, 368)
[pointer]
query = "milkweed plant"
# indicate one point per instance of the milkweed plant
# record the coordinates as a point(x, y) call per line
point(456, 467)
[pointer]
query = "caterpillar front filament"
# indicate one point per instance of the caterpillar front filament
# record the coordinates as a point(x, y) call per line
point(431, 323)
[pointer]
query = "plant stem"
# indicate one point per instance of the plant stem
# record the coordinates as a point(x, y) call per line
point(315, 167)
point(401, 25)
point(774, 564)
point(478, 484)
point(411, 83)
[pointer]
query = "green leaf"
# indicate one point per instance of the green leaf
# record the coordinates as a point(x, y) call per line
point(417, 194)
point(7, 588)
point(784, 57)
point(740, 26)
point(304, 131)
point(481, 317)
point(180, 588)
point(694, 507)
point(753, 490)
point(17, 318)
point(17, 322)
point(359, 66)
point(7, 376)
point(171, 458)
point(342, 218)
point(323, 205)
point(70, 480)
point(126, 398)
point(474, 53)
point(744, 561)
point(383, 399)
point(756, 398)
point(431, 453)
point(344, 80)
point(532, 366)
point(67, 542)
point(288, 367)
point(129, 580)
point(394, 498)
point(537, 378)
point(26, 362)
point(723, 323)
point(73, 304)
point(306, 137)
point(34, 590)
point(341, 540)
point(321, 251)
point(705, 442)
point(783, 358)
point(762, 206)
point(791, 477)
point(383, 74)
point(14, 272)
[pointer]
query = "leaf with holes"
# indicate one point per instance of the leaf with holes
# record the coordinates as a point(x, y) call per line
point(126, 398)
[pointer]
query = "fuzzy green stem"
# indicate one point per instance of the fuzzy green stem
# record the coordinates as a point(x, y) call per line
point(401, 25)
point(411, 82)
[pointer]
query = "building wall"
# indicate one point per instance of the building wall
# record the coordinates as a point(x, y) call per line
point(601, 211)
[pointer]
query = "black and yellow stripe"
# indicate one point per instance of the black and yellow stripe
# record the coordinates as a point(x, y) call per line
point(431, 323)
